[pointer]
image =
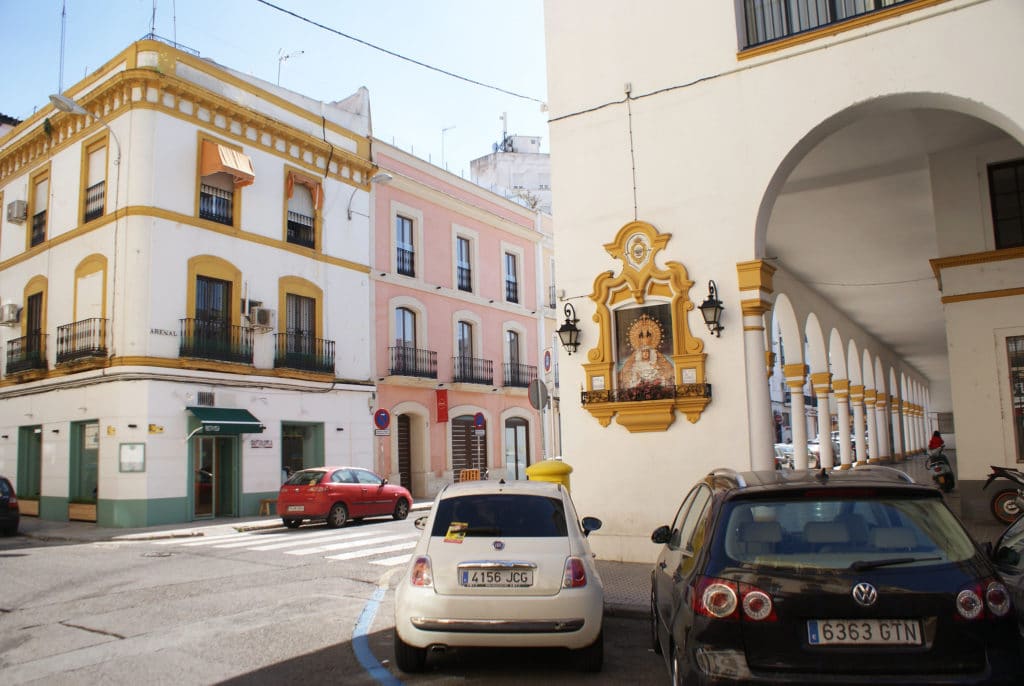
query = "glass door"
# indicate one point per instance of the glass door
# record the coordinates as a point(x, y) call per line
point(213, 486)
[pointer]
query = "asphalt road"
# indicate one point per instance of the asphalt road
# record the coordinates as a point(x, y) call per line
point(251, 609)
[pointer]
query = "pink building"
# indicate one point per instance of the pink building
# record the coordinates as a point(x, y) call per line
point(459, 303)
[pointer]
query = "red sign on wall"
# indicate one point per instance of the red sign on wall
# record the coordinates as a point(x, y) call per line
point(442, 405)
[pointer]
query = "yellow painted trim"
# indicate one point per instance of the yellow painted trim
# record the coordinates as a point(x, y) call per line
point(754, 308)
point(797, 370)
point(215, 268)
point(90, 265)
point(37, 177)
point(755, 275)
point(89, 146)
point(753, 328)
point(307, 289)
point(821, 382)
point(769, 360)
point(3, 217)
point(38, 284)
point(857, 393)
point(983, 295)
point(835, 29)
point(153, 212)
point(940, 263)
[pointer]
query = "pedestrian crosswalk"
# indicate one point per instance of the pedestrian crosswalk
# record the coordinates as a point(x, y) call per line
point(378, 545)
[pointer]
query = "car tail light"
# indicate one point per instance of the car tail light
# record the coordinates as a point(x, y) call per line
point(997, 599)
point(12, 504)
point(422, 575)
point(968, 602)
point(723, 599)
point(575, 575)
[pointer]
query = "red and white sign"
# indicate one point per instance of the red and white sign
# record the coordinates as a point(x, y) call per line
point(442, 404)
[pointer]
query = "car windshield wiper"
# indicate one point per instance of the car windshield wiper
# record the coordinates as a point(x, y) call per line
point(861, 565)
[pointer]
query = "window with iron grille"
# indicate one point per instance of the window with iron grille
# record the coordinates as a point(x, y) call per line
point(95, 182)
point(40, 203)
point(217, 198)
point(770, 20)
point(301, 214)
point(464, 339)
point(511, 278)
point(300, 324)
point(406, 251)
point(1006, 190)
point(464, 265)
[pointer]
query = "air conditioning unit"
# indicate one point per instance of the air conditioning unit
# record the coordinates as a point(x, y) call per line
point(10, 314)
point(262, 318)
point(17, 211)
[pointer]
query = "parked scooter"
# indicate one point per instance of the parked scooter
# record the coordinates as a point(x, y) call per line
point(942, 471)
point(1008, 503)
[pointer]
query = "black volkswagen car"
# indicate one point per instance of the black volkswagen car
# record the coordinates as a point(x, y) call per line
point(859, 576)
point(10, 515)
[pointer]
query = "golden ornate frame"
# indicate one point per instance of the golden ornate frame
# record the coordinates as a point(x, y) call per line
point(636, 245)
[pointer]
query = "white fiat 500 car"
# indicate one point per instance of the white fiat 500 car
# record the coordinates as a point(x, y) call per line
point(501, 564)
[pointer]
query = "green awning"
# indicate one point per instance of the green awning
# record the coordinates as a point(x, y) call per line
point(226, 421)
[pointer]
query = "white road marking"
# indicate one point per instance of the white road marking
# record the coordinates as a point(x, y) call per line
point(343, 545)
point(373, 551)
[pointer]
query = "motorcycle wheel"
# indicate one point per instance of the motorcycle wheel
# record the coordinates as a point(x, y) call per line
point(1004, 506)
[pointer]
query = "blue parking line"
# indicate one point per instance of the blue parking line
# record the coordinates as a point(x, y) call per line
point(361, 644)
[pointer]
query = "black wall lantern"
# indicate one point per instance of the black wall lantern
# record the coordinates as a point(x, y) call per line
point(568, 332)
point(712, 308)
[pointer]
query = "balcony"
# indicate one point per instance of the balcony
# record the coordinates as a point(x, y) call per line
point(405, 262)
point(300, 230)
point(647, 391)
point(771, 20)
point(215, 340)
point(464, 277)
point(511, 291)
point(472, 370)
point(301, 351)
point(26, 353)
point(216, 204)
point(81, 340)
point(519, 375)
point(409, 361)
point(94, 201)
point(38, 228)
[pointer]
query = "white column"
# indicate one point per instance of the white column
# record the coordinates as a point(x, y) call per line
point(842, 391)
point(759, 402)
point(857, 402)
point(822, 384)
point(882, 422)
point(897, 439)
point(869, 420)
point(796, 377)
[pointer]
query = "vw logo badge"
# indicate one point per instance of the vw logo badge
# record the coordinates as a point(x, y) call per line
point(499, 545)
point(865, 594)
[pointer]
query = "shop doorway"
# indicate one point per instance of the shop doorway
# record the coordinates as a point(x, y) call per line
point(214, 487)
point(30, 476)
point(405, 451)
point(469, 448)
point(517, 448)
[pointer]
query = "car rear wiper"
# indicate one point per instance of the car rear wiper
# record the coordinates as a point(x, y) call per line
point(483, 531)
point(861, 565)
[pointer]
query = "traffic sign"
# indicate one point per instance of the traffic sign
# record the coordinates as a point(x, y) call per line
point(547, 361)
point(538, 393)
point(382, 418)
point(478, 420)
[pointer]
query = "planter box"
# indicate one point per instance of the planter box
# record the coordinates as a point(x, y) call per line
point(28, 507)
point(82, 512)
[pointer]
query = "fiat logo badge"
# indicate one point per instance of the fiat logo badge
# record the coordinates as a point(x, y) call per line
point(865, 594)
point(499, 545)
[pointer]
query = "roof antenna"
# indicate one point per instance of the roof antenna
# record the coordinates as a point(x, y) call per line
point(63, 22)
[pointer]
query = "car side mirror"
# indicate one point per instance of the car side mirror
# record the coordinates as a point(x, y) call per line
point(591, 524)
point(420, 522)
point(661, 535)
point(1006, 556)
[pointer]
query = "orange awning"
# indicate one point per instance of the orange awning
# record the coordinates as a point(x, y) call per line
point(218, 158)
point(313, 184)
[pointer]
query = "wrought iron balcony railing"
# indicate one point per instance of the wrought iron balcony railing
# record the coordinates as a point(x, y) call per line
point(472, 370)
point(82, 339)
point(511, 290)
point(300, 230)
point(26, 353)
point(405, 260)
point(519, 374)
point(408, 361)
point(464, 276)
point(302, 351)
point(94, 197)
point(647, 391)
point(216, 204)
point(771, 20)
point(38, 228)
point(215, 340)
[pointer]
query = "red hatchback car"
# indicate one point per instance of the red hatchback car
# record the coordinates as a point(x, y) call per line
point(337, 494)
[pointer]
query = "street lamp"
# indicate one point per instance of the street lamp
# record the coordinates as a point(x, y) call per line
point(66, 104)
point(281, 57)
point(568, 332)
point(380, 177)
point(711, 309)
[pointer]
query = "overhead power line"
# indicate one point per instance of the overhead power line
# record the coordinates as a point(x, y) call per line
point(399, 56)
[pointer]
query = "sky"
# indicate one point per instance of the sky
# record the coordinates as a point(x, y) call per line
point(496, 42)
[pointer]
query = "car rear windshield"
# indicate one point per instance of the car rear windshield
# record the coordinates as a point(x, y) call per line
point(843, 533)
point(306, 477)
point(500, 514)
